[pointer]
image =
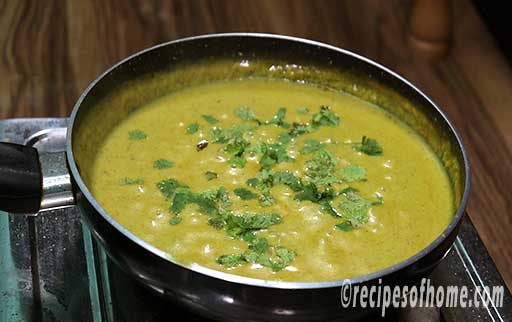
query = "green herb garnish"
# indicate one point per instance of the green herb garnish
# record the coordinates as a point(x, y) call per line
point(312, 193)
point(259, 251)
point(137, 135)
point(210, 119)
point(245, 194)
point(311, 145)
point(368, 146)
point(273, 154)
point(278, 119)
point(325, 118)
point(300, 129)
point(175, 220)
point(210, 175)
point(253, 182)
point(245, 113)
point(275, 258)
point(237, 162)
point(238, 225)
point(348, 189)
point(345, 226)
point(192, 128)
point(287, 178)
point(168, 187)
point(355, 209)
point(162, 164)
point(352, 173)
point(266, 199)
point(181, 199)
point(209, 201)
point(232, 260)
point(322, 167)
point(284, 138)
point(235, 142)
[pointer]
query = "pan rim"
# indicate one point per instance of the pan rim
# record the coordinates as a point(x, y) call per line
point(253, 281)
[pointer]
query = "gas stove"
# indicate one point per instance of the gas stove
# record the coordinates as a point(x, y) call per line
point(53, 270)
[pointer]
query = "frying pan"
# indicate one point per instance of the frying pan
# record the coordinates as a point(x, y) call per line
point(31, 182)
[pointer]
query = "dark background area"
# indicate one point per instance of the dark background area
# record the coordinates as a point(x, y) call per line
point(497, 18)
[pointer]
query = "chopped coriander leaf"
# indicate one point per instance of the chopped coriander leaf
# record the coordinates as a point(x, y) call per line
point(300, 129)
point(322, 167)
point(210, 119)
point(284, 138)
point(237, 226)
point(245, 113)
point(236, 146)
point(162, 164)
point(192, 128)
point(219, 135)
point(234, 133)
point(285, 254)
point(283, 257)
point(217, 222)
point(235, 142)
point(273, 154)
point(311, 145)
point(168, 187)
point(259, 252)
point(309, 192)
point(129, 181)
point(322, 197)
point(287, 178)
point(231, 260)
point(369, 146)
point(222, 197)
point(256, 148)
point(328, 208)
point(253, 182)
point(266, 199)
point(345, 226)
point(212, 202)
point(237, 162)
point(137, 135)
point(278, 118)
point(257, 245)
point(352, 173)
point(175, 220)
point(181, 198)
point(251, 221)
point(325, 117)
point(245, 194)
point(348, 190)
point(303, 110)
point(355, 209)
point(210, 175)
point(312, 193)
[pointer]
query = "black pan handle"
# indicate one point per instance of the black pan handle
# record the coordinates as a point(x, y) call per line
point(20, 179)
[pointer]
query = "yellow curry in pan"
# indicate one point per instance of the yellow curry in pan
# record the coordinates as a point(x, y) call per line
point(273, 180)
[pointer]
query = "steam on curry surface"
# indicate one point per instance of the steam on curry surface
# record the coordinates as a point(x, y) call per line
point(273, 180)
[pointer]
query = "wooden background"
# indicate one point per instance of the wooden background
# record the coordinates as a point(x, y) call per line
point(50, 51)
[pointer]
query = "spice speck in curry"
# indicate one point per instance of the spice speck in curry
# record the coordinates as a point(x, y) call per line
point(273, 180)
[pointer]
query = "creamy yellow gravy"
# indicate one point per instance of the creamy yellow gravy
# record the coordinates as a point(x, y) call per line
point(415, 189)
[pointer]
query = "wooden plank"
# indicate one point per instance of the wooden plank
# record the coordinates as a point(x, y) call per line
point(52, 50)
